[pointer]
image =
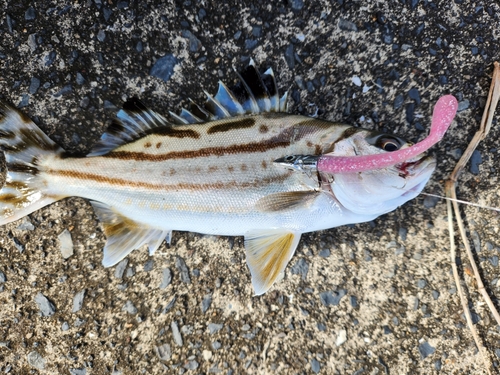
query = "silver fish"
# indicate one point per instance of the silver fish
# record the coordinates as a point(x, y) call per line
point(210, 170)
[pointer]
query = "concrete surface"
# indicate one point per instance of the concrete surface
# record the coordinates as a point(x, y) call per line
point(375, 298)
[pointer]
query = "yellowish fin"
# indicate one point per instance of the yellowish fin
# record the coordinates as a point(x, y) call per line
point(124, 235)
point(268, 253)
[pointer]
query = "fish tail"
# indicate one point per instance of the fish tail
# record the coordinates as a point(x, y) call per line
point(25, 147)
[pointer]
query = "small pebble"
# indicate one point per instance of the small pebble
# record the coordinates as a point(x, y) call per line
point(163, 68)
point(475, 160)
point(341, 337)
point(438, 365)
point(130, 272)
point(191, 365)
point(332, 297)
point(25, 224)
point(36, 360)
point(347, 25)
point(325, 253)
point(435, 294)
point(301, 267)
point(64, 91)
point(79, 79)
point(213, 327)
point(30, 14)
point(315, 365)
point(296, 4)
point(425, 350)
point(176, 333)
point(101, 36)
point(216, 345)
point(205, 304)
point(2, 277)
point(194, 42)
point(34, 85)
point(415, 95)
point(356, 80)
point(398, 101)
point(78, 301)
point(207, 355)
point(65, 244)
point(129, 307)
point(65, 326)
point(463, 105)
point(184, 271)
point(166, 279)
point(78, 371)
point(290, 56)
point(120, 268)
point(148, 266)
point(163, 352)
point(421, 283)
point(46, 307)
point(354, 302)
point(430, 202)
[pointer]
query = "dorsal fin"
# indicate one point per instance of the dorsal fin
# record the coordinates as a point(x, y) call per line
point(132, 122)
point(254, 93)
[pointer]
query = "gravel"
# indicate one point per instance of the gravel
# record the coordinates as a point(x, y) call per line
point(300, 267)
point(78, 301)
point(166, 278)
point(332, 297)
point(163, 352)
point(36, 360)
point(66, 244)
point(205, 304)
point(164, 67)
point(176, 334)
point(425, 349)
point(183, 270)
point(45, 306)
point(120, 268)
point(129, 307)
point(213, 327)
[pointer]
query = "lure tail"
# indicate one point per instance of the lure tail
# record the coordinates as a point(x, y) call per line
point(26, 147)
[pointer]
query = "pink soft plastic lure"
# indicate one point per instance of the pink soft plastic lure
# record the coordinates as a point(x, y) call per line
point(444, 112)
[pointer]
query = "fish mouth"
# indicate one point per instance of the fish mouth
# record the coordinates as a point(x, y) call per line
point(412, 168)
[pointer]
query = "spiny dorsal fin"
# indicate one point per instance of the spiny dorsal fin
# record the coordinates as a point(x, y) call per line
point(268, 252)
point(124, 235)
point(254, 93)
point(132, 122)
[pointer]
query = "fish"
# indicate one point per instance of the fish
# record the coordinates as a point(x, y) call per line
point(213, 169)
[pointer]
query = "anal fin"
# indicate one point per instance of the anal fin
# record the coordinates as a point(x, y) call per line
point(268, 253)
point(124, 235)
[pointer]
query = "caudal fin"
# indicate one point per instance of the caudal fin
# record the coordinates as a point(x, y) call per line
point(24, 145)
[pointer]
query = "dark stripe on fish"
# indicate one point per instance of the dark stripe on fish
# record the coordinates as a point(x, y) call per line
point(232, 125)
point(163, 187)
point(171, 131)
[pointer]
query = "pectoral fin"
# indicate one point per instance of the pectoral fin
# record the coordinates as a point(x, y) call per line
point(286, 201)
point(124, 235)
point(268, 253)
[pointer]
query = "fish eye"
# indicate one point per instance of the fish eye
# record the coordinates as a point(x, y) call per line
point(388, 144)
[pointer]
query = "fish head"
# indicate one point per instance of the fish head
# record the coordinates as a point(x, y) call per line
point(377, 191)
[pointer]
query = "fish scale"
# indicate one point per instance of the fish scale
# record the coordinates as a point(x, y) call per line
point(212, 170)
